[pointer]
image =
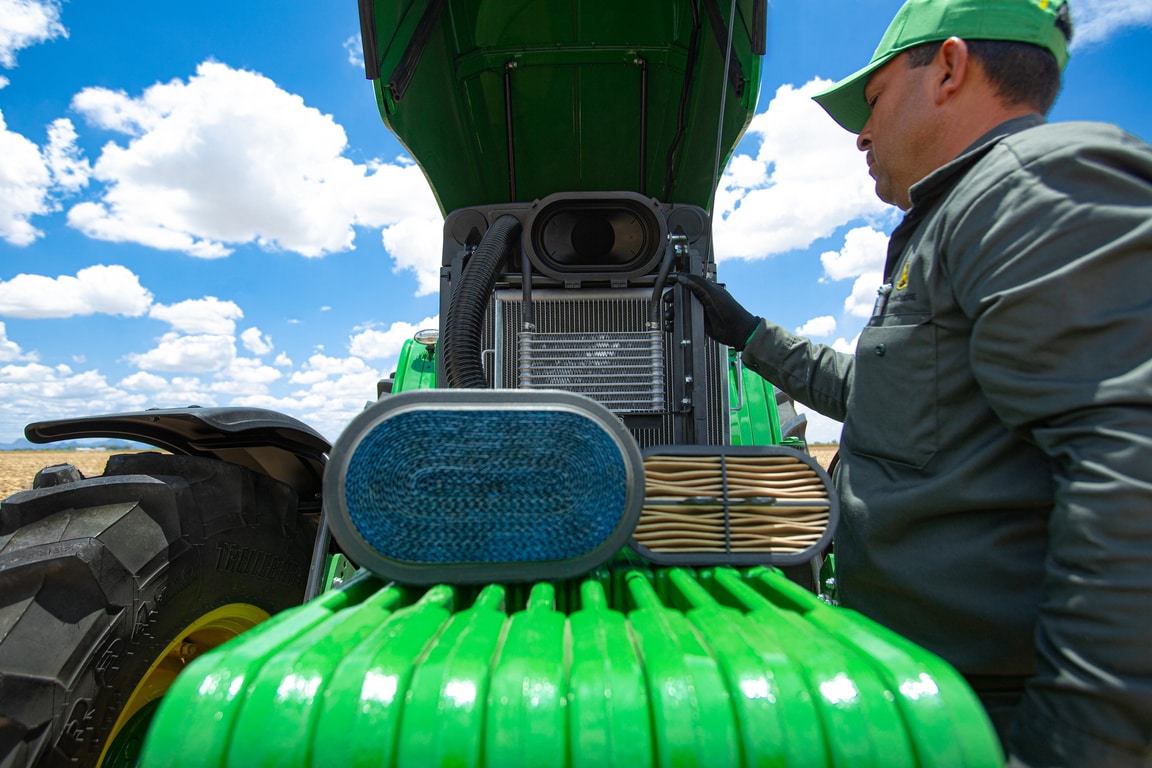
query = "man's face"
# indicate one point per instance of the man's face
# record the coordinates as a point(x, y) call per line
point(900, 135)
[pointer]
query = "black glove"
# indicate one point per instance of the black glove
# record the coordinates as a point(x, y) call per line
point(724, 319)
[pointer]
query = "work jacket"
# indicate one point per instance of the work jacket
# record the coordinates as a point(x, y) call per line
point(996, 459)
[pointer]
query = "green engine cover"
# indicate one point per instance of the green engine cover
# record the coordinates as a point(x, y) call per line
point(631, 667)
point(513, 100)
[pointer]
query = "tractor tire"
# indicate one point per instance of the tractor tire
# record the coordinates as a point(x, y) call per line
point(108, 585)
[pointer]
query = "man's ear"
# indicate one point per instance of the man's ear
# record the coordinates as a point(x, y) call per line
point(952, 62)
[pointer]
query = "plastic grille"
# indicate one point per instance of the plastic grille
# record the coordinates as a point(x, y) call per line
point(501, 486)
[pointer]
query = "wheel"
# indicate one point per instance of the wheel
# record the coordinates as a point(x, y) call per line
point(109, 585)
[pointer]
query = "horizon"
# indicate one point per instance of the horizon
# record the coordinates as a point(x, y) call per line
point(200, 204)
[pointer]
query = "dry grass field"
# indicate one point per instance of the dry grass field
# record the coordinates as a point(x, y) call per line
point(17, 468)
point(823, 453)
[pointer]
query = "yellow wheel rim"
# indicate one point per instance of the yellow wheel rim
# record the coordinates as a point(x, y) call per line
point(204, 634)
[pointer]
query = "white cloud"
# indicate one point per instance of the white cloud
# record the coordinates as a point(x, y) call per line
point(415, 244)
point(323, 367)
point(745, 171)
point(373, 344)
point(110, 290)
point(862, 300)
point(843, 345)
point(864, 250)
point(256, 342)
point(27, 22)
point(142, 381)
point(228, 158)
point(807, 180)
point(9, 350)
point(31, 180)
point(825, 325)
point(69, 168)
point(199, 353)
point(1096, 20)
point(180, 391)
point(24, 183)
point(355, 50)
point(209, 315)
point(862, 257)
point(329, 393)
point(41, 392)
point(245, 376)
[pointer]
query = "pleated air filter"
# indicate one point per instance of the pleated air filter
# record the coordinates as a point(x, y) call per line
point(734, 505)
point(466, 486)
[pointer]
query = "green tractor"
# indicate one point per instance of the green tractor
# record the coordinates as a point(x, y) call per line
point(571, 530)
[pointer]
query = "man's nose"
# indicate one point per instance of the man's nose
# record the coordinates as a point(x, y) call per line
point(864, 140)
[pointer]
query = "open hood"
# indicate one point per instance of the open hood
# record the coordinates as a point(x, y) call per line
point(513, 100)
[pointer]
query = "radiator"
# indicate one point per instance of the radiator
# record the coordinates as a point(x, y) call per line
point(597, 343)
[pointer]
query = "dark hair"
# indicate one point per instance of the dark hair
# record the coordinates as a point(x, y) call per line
point(1022, 73)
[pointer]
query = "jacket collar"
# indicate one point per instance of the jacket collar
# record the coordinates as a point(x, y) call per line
point(931, 186)
point(925, 193)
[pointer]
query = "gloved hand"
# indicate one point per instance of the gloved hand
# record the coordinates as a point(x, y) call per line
point(724, 319)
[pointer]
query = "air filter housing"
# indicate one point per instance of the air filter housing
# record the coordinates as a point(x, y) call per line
point(466, 486)
point(734, 505)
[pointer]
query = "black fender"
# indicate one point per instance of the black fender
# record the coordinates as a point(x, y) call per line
point(265, 441)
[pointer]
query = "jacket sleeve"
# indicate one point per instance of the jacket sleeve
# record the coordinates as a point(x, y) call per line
point(1053, 261)
point(814, 374)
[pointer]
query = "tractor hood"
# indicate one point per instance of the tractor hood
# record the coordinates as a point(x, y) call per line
point(512, 100)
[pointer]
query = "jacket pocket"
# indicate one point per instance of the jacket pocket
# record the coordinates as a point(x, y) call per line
point(892, 405)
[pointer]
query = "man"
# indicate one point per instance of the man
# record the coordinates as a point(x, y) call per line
point(996, 458)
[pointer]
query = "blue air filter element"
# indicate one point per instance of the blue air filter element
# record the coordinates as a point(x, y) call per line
point(468, 486)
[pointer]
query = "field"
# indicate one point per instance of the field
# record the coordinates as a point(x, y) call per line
point(17, 468)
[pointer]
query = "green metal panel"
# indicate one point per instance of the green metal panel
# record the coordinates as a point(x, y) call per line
point(206, 721)
point(529, 681)
point(755, 421)
point(443, 718)
point(416, 368)
point(281, 695)
point(360, 719)
point(923, 682)
point(592, 89)
point(608, 705)
point(632, 667)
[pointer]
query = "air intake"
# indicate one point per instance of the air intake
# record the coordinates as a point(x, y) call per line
point(467, 486)
point(734, 505)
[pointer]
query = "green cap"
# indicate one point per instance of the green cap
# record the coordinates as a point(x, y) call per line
point(1039, 22)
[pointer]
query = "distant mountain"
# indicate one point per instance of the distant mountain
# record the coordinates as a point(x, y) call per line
point(86, 444)
point(18, 445)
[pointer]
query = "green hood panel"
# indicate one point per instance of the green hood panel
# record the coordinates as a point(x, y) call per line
point(513, 100)
point(629, 667)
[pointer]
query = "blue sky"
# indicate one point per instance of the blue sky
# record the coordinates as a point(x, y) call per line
point(200, 205)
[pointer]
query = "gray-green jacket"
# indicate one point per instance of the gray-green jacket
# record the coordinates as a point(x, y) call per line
point(996, 458)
